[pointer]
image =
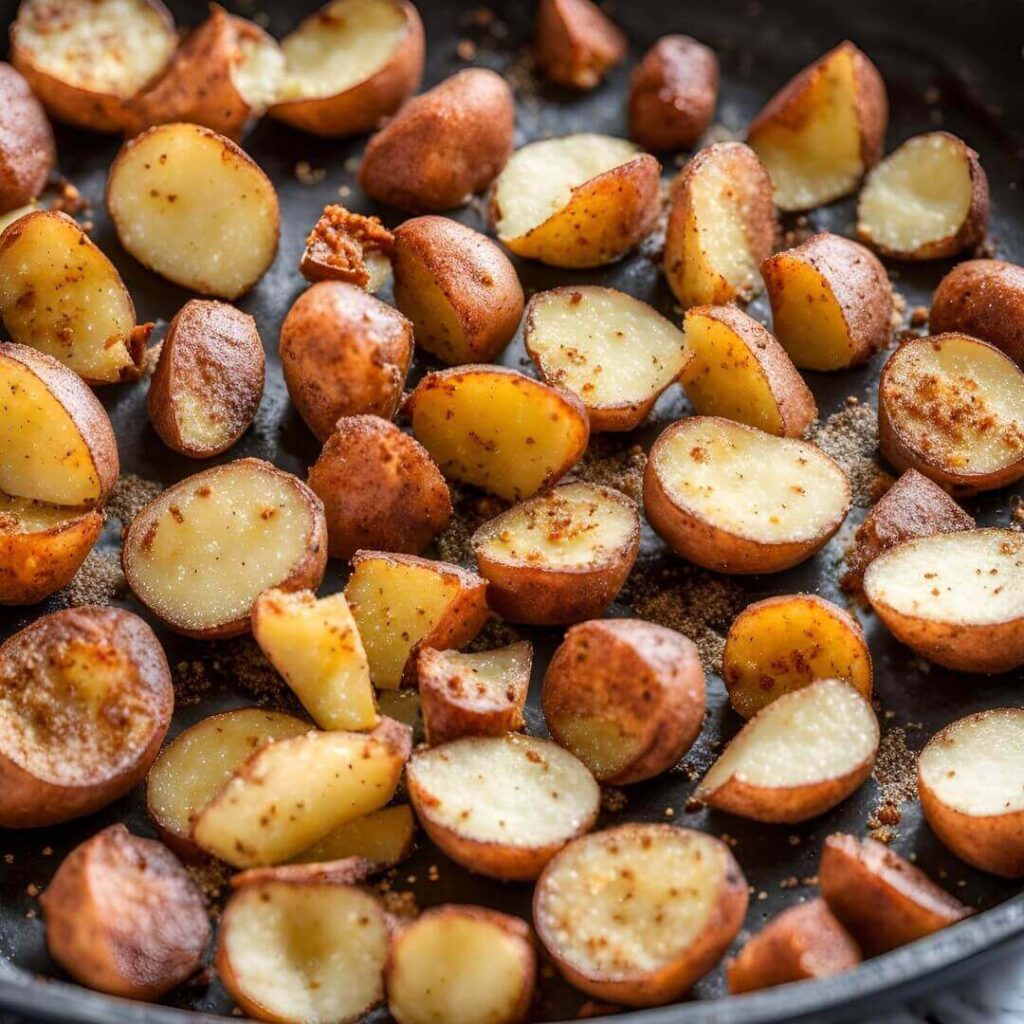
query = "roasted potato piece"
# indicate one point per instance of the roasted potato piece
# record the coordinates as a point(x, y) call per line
point(85, 701)
point(443, 146)
point(798, 757)
point(27, 152)
point(123, 917)
point(348, 871)
point(344, 353)
point(7, 219)
point(576, 43)
point(528, 798)
point(218, 239)
point(576, 201)
point(955, 598)
point(201, 552)
point(560, 557)
point(346, 246)
point(614, 352)
point(952, 407)
point(823, 129)
point(926, 200)
point(401, 603)
point(738, 500)
point(739, 371)
point(350, 65)
point(831, 302)
point(382, 838)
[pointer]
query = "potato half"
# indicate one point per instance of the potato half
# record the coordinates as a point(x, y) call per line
point(823, 129)
point(28, 152)
point(738, 500)
point(382, 838)
point(346, 246)
point(797, 757)
point(201, 552)
point(637, 914)
point(192, 207)
point(955, 598)
point(7, 219)
point(576, 43)
point(528, 798)
point(576, 201)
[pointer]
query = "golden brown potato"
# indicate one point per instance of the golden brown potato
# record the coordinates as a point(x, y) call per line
point(347, 871)
point(608, 911)
point(27, 152)
point(823, 129)
point(208, 381)
point(344, 353)
point(443, 146)
point(831, 302)
point(350, 65)
point(926, 200)
point(7, 219)
point(85, 701)
point(199, 554)
point(123, 917)
point(458, 288)
point(381, 838)
point(576, 43)
point(346, 246)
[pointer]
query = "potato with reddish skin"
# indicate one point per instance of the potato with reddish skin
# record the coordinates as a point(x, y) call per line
point(27, 151)
point(383, 838)
point(343, 871)
point(346, 246)
point(576, 43)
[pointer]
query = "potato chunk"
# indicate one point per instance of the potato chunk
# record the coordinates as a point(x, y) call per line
point(577, 44)
point(382, 838)
point(28, 154)
point(346, 246)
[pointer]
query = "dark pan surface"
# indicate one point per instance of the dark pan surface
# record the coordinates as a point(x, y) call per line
point(951, 65)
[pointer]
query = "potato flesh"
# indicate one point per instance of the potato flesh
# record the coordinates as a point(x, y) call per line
point(22, 515)
point(599, 743)
point(6, 219)
point(259, 73)
point(201, 426)
point(495, 673)
point(382, 837)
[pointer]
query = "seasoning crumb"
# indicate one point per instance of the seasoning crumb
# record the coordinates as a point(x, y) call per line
point(99, 581)
point(613, 800)
point(210, 878)
point(131, 494)
point(607, 465)
point(850, 436)
point(919, 316)
point(308, 175)
point(470, 511)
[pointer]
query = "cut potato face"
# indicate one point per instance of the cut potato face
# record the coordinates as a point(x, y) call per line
point(346, 246)
point(528, 799)
point(382, 838)
point(796, 758)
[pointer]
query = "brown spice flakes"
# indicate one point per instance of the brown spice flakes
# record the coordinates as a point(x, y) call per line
point(613, 800)
point(305, 174)
point(211, 878)
point(131, 494)
point(191, 683)
point(895, 773)
point(339, 245)
point(609, 465)
point(470, 510)
point(99, 580)
point(850, 436)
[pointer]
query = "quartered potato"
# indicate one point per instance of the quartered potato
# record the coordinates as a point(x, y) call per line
point(637, 914)
point(577, 201)
point(738, 500)
point(576, 44)
point(382, 838)
point(614, 352)
point(560, 557)
point(346, 246)
point(27, 155)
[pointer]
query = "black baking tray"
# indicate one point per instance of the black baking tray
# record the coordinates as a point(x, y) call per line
point(947, 64)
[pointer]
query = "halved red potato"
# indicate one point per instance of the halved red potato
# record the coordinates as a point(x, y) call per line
point(637, 914)
point(823, 129)
point(28, 151)
point(346, 246)
point(797, 757)
point(527, 798)
point(926, 200)
point(577, 201)
point(381, 838)
point(576, 43)
point(200, 553)
point(735, 499)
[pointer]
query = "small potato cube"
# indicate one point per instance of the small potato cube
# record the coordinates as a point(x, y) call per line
point(576, 43)
point(28, 152)
point(346, 246)
point(383, 838)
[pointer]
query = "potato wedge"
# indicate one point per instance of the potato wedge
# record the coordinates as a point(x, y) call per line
point(823, 129)
point(955, 598)
point(383, 838)
point(952, 407)
point(498, 429)
point(831, 302)
point(350, 65)
point(926, 200)
point(782, 644)
point(479, 694)
point(315, 645)
point(608, 911)
point(576, 43)
point(85, 701)
point(614, 352)
point(739, 371)
point(577, 201)
point(344, 353)
point(798, 757)
point(346, 246)
point(528, 798)
point(721, 226)
point(123, 917)
point(201, 552)
point(27, 154)
point(443, 146)
point(461, 965)
point(218, 239)
point(625, 696)
point(735, 499)
point(560, 557)
point(401, 603)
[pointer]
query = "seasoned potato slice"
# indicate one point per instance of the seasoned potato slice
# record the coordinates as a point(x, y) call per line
point(736, 499)
point(346, 246)
point(401, 603)
point(577, 44)
point(823, 129)
point(216, 239)
point(528, 798)
point(28, 152)
point(798, 757)
point(85, 701)
point(609, 911)
point(577, 201)
point(956, 598)
point(200, 553)
point(382, 838)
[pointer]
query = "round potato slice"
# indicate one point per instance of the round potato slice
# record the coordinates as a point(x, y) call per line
point(27, 152)
point(529, 797)
point(577, 44)
point(735, 499)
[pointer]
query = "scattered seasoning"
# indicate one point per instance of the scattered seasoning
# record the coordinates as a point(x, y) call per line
point(191, 683)
point(899, 310)
point(99, 580)
point(211, 879)
point(400, 904)
point(150, 358)
point(613, 800)
point(495, 634)
point(919, 316)
point(609, 466)
point(131, 494)
point(308, 175)
point(895, 773)
point(241, 663)
point(850, 436)
point(470, 510)
point(466, 49)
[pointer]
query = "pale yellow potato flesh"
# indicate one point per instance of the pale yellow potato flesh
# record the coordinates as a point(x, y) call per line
point(381, 837)
point(493, 671)
point(598, 742)
point(6, 219)
point(28, 516)
point(260, 72)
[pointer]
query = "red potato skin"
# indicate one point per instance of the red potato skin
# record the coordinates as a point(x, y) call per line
point(27, 151)
point(577, 44)
point(347, 871)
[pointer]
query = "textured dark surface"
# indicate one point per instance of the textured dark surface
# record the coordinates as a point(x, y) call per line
point(956, 66)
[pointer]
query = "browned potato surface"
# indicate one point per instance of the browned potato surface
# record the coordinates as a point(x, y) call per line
point(26, 142)
point(381, 838)
point(576, 43)
point(346, 871)
point(346, 246)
